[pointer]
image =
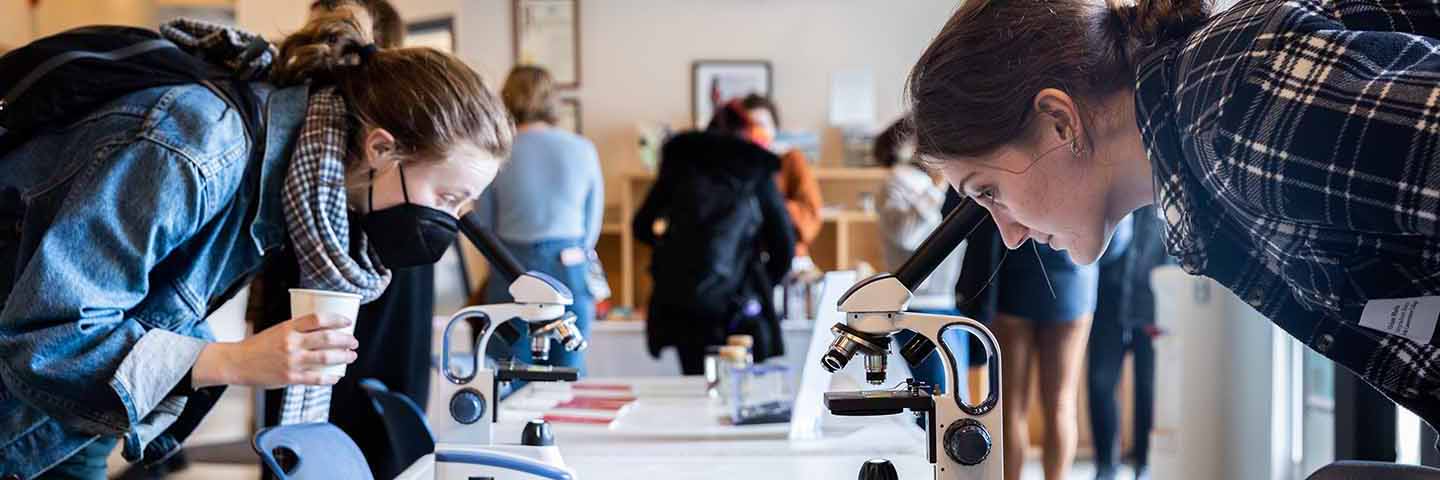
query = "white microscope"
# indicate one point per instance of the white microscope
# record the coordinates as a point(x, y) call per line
point(964, 439)
point(465, 446)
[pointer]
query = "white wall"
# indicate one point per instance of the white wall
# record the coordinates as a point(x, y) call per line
point(276, 18)
point(636, 57)
point(636, 54)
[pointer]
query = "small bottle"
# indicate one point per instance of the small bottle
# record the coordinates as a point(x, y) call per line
point(733, 360)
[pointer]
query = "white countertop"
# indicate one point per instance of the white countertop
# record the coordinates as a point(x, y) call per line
point(673, 431)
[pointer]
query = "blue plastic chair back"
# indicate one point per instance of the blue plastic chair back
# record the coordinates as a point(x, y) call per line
point(310, 451)
point(405, 424)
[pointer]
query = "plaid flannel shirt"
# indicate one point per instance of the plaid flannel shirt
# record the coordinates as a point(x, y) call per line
point(1296, 153)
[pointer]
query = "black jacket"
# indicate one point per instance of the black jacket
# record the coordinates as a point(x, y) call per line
point(728, 241)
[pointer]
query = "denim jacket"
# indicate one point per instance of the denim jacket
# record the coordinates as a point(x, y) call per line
point(117, 233)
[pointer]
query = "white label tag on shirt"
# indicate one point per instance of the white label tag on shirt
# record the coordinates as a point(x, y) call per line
point(572, 256)
point(1412, 318)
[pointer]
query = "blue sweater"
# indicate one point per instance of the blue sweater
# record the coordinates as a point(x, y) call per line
point(550, 189)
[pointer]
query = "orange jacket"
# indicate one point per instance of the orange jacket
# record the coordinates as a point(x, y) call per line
point(802, 198)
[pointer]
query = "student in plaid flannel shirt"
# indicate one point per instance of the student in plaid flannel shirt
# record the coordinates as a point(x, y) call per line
point(1293, 149)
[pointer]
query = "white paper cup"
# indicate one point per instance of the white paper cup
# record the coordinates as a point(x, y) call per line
point(304, 302)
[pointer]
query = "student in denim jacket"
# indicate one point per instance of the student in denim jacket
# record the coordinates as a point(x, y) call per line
point(1291, 148)
point(135, 222)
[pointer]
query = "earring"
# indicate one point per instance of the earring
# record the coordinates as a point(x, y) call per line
point(1075, 147)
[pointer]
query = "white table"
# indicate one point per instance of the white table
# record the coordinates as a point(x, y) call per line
point(672, 431)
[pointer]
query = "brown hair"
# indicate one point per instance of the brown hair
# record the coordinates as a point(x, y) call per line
point(887, 144)
point(389, 30)
point(733, 117)
point(529, 94)
point(428, 100)
point(973, 88)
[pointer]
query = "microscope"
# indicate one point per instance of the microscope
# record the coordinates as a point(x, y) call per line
point(465, 444)
point(963, 439)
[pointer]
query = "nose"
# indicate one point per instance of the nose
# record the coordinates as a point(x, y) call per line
point(1011, 231)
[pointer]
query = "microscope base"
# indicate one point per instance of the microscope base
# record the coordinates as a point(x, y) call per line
point(501, 462)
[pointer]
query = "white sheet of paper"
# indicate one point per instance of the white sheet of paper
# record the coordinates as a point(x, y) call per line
point(815, 381)
point(852, 98)
point(1412, 318)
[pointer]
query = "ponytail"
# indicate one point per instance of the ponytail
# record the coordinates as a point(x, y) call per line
point(322, 50)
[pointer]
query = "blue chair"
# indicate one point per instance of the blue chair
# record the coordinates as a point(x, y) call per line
point(310, 451)
point(405, 424)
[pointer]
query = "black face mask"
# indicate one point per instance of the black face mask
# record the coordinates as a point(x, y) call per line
point(408, 235)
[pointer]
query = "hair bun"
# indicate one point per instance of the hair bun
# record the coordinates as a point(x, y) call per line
point(1160, 21)
point(322, 49)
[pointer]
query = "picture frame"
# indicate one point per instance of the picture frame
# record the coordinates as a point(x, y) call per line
point(714, 82)
point(567, 115)
point(437, 33)
point(547, 35)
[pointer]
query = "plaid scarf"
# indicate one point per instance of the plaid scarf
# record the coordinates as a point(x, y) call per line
point(315, 216)
point(314, 192)
point(242, 52)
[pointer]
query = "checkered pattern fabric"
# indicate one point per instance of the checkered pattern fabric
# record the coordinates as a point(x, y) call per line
point(1296, 152)
point(316, 218)
point(221, 45)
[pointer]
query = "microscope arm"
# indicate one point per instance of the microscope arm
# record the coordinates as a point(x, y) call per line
point(490, 318)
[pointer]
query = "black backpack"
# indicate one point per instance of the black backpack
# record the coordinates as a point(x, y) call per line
point(58, 79)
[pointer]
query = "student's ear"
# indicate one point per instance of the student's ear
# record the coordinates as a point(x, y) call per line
point(1061, 118)
point(380, 149)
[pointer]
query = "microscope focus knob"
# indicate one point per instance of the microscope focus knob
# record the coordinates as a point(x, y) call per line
point(878, 469)
point(467, 406)
point(967, 442)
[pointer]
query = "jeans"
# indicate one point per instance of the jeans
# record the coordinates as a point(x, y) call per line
point(86, 464)
point(1108, 343)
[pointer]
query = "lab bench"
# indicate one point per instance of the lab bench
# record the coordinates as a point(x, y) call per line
point(673, 430)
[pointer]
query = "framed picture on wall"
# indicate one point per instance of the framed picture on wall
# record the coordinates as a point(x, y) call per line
point(714, 82)
point(438, 34)
point(547, 35)
point(567, 115)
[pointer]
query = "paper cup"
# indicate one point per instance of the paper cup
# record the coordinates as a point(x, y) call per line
point(304, 302)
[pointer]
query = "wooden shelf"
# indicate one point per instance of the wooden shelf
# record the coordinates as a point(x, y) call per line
point(830, 215)
point(849, 235)
point(872, 174)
